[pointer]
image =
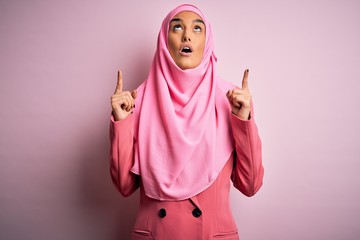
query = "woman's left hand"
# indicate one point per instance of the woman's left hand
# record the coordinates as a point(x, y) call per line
point(240, 99)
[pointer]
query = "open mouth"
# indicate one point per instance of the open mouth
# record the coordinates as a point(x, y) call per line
point(186, 50)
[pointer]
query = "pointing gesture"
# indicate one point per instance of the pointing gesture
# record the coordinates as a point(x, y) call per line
point(240, 99)
point(119, 83)
point(245, 85)
point(122, 103)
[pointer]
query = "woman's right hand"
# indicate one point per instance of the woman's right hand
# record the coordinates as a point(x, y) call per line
point(122, 103)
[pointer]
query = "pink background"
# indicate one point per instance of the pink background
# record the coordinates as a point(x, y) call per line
point(58, 64)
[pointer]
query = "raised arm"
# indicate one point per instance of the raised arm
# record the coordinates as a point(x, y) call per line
point(248, 171)
point(122, 140)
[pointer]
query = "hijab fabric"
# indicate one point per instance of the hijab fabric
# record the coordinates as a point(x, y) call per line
point(182, 127)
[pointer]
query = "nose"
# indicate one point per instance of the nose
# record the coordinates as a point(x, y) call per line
point(186, 38)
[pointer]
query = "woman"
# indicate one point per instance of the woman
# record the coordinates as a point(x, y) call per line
point(190, 133)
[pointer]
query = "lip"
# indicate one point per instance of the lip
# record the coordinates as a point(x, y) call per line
point(185, 54)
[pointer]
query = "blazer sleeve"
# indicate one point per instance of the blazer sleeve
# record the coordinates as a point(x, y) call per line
point(122, 156)
point(248, 171)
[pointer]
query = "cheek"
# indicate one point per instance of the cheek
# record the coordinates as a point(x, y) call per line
point(203, 42)
point(201, 47)
point(171, 45)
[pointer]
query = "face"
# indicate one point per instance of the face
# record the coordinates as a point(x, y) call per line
point(186, 39)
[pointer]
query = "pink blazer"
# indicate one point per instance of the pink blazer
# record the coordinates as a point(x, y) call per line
point(204, 216)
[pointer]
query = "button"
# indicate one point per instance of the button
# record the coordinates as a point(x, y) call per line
point(162, 213)
point(196, 212)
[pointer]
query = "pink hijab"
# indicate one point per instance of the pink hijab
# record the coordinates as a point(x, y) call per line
point(182, 127)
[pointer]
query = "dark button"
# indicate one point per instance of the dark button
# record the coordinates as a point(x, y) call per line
point(162, 213)
point(196, 212)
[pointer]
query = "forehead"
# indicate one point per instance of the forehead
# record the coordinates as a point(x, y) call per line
point(187, 16)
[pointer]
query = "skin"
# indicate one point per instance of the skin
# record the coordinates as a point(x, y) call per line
point(185, 29)
point(122, 103)
point(240, 99)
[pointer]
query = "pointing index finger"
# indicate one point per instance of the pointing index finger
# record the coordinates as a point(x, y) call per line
point(245, 80)
point(119, 85)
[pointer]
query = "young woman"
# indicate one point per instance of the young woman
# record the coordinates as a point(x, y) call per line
point(190, 134)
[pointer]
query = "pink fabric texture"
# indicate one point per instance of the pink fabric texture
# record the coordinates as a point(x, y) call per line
point(183, 136)
point(244, 167)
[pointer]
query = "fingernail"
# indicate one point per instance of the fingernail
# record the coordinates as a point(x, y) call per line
point(247, 70)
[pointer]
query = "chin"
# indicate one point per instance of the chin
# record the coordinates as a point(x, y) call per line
point(185, 66)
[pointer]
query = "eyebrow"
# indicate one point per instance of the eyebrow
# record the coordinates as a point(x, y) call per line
point(180, 20)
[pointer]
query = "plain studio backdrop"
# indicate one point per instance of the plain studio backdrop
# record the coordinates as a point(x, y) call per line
point(58, 69)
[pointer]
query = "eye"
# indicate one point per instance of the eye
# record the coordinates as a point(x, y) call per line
point(177, 27)
point(197, 29)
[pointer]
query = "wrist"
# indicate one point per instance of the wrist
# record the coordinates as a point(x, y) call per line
point(243, 114)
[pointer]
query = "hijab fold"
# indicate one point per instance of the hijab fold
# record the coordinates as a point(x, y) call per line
point(182, 129)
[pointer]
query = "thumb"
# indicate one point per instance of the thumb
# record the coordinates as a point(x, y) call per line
point(134, 93)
